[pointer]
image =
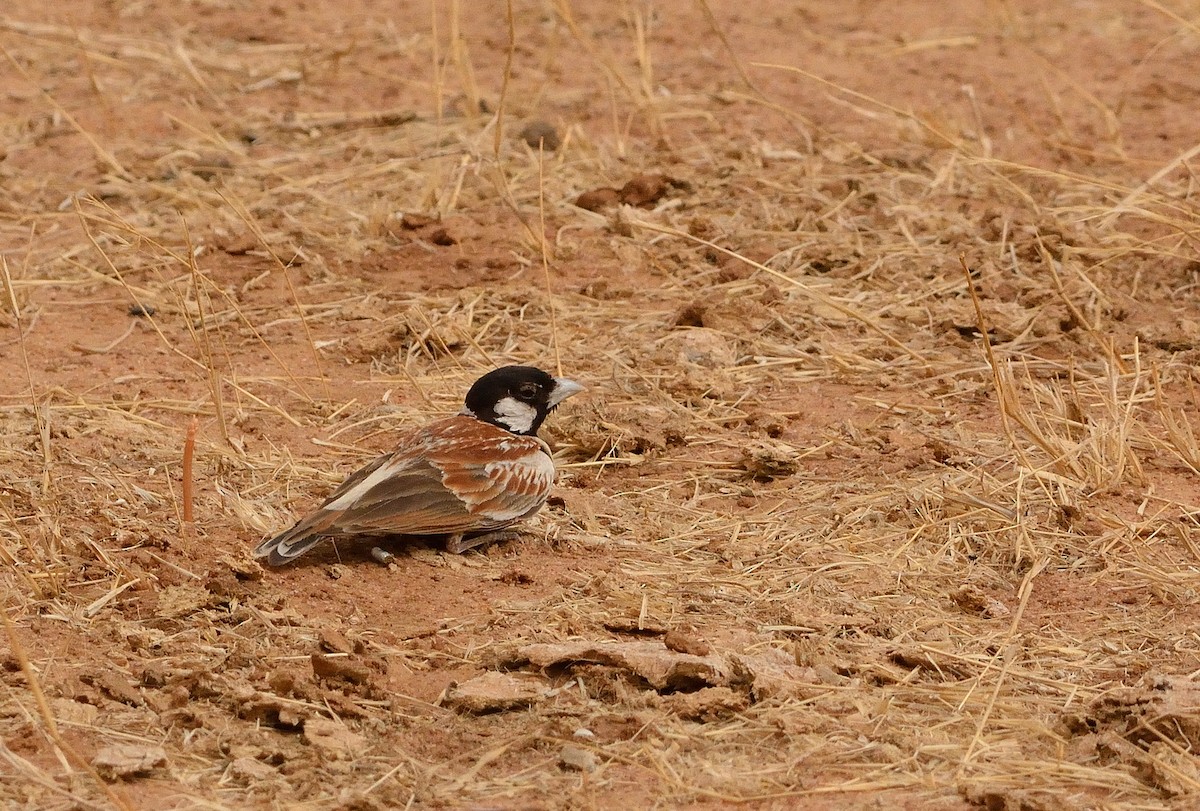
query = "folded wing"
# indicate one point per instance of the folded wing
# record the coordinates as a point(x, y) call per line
point(457, 476)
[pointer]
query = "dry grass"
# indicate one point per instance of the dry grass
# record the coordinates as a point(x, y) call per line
point(796, 440)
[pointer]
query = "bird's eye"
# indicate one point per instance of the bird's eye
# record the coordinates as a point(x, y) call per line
point(527, 391)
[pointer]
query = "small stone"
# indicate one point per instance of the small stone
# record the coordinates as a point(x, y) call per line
point(598, 199)
point(334, 641)
point(239, 244)
point(576, 759)
point(411, 221)
point(212, 165)
point(334, 739)
point(124, 760)
point(494, 692)
point(251, 770)
point(825, 674)
point(114, 687)
point(974, 600)
point(282, 682)
point(242, 566)
point(636, 626)
point(646, 189)
point(681, 642)
point(707, 704)
point(765, 460)
point(703, 347)
point(342, 668)
point(541, 134)
point(74, 712)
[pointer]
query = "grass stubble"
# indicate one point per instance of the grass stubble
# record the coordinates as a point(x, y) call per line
point(1002, 442)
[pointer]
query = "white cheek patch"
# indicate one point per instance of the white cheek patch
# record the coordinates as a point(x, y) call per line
point(516, 416)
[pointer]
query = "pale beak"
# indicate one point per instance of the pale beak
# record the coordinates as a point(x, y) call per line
point(563, 388)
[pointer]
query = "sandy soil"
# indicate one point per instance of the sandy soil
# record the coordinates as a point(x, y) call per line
point(816, 542)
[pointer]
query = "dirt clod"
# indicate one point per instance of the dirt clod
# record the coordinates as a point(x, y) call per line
point(334, 739)
point(115, 687)
point(125, 760)
point(766, 460)
point(707, 704)
point(683, 642)
point(646, 189)
point(494, 692)
point(598, 199)
point(973, 599)
point(341, 668)
point(412, 221)
point(541, 135)
point(334, 641)
point(661, 669)
point(577, 759)
point(812, 541)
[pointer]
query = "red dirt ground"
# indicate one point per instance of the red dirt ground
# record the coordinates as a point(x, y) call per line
point(118, 100)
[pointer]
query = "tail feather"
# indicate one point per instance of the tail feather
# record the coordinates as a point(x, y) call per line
point(292, 543)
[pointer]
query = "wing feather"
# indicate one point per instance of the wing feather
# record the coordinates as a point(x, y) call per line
point(457, 475)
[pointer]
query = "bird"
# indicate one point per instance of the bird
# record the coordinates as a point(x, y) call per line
point(466, 477)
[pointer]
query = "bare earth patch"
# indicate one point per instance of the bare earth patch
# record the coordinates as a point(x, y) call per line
point(884, 493)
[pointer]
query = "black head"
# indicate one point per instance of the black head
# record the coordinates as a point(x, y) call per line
point(517, 398)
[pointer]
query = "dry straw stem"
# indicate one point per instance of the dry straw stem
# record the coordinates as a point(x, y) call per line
point(887, 567)
point(1126, 205)
point(816, 295)
point(461, 56)
point(612, 73)
point(1005, 396)
point(36, 588)
point(1183, 21)
point(41, 415)
point(189, 453)
point(803, 126)
point(102, 153)
point(66, 753)
point(1103, 456)
point(551, 304)
point(1181, 437)
point(254, 227)
point(511, 28)
point(436, 66)
point(956, 143)
point(201, 285)
point(202, 336)
point(1007, 653)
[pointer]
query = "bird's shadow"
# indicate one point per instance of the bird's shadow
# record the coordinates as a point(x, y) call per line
point(358, 549)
